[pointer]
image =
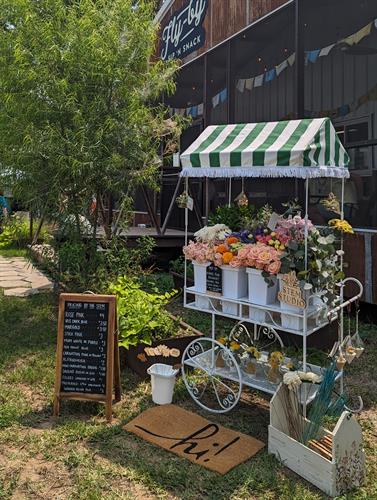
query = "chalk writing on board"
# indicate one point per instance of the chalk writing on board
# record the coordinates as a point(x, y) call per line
point(84, 347)
point(214, 280)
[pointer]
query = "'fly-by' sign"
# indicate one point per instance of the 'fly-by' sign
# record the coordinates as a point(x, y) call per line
point(184, 33)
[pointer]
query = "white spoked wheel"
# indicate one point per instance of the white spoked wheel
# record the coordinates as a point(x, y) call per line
point(212, 375)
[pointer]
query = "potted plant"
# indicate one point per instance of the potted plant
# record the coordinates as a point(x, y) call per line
point(263, 264)
point(250, 360)
point(275, 360)
point(148, 334)
point(201, 253)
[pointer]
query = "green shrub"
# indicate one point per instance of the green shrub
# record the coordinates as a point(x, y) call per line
point(15, 232)
point(178, 266)
point(142, 318)
point(232, 216)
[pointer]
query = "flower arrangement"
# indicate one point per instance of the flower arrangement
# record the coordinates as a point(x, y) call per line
point(226, 251)
point(294, 379)
point(252, 352)
point(258, 256)
point(212, 234)
point(198, 252)
point(275, 358)
point(292, 228)
point(341, 225)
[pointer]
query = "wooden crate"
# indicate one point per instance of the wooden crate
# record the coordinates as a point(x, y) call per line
point(341, 472)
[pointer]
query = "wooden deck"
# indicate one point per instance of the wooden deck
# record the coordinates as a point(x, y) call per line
point(173, 238)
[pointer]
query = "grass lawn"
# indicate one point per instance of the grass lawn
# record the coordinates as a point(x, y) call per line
point(81, 457)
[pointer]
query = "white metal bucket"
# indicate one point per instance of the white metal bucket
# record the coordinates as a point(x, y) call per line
point(163, 380)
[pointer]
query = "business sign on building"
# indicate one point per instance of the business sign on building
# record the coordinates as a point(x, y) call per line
point(184, 32)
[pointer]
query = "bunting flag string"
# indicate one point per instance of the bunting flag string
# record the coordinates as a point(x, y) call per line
point(342, 110)
point(311, 56)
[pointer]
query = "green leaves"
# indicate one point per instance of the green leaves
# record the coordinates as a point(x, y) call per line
point(79, 116)
point(141, 315)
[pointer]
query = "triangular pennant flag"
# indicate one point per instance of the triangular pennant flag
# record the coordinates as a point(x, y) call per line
point(359, 35)
point(291, 59)
point(311, 56)
point(215, 100)
point(258, 80)
point(281, 67)
point(223, 95)
point(241, 84)
point(270, 75)
point(249, 83)
point(326, 50)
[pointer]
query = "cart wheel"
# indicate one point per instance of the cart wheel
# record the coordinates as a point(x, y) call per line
point(211, 375)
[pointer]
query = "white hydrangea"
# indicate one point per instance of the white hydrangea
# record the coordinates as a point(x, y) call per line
point(209, 234)
point(310, 377)
point(291, 380)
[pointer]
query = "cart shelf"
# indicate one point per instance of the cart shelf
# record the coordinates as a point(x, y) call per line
point(204, 361)
point(316, 315)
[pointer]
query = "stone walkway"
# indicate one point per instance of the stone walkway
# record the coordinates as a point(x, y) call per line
point(19, 278)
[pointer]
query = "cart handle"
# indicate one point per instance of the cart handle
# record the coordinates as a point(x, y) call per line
point(332, 314)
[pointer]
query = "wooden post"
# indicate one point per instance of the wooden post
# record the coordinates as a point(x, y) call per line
point(151, 212)
point(171, 206)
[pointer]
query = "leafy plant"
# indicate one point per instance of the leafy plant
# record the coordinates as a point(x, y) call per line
point(178, 266)
point(232, 216)
point(16, 232)
point(141, 315)
point(324, 270)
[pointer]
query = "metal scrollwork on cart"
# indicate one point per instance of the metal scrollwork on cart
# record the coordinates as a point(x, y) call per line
point(263, 335)
point(212, 375)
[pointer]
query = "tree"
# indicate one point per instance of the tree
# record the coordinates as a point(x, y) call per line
point(78, 102)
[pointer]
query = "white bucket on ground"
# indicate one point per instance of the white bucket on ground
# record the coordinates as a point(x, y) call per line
point(163, 380)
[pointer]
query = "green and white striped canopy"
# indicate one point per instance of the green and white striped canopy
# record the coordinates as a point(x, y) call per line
point(297, 148)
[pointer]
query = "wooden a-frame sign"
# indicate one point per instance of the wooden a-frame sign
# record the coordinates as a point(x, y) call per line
point(87, 354)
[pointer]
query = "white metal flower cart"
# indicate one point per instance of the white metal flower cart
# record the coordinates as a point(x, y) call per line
point(303, 149)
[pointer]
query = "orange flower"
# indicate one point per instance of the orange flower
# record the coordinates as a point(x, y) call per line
point(227, 257)
point(222, 248)
point(232, 240)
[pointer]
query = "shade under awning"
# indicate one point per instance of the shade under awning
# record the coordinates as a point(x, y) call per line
point(305, 148)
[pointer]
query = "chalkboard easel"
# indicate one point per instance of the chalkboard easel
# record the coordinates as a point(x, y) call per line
point(87, 355)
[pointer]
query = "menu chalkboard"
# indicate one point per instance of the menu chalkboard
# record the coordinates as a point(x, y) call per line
point(86, 353)
point(214, 280)
point(85, 347)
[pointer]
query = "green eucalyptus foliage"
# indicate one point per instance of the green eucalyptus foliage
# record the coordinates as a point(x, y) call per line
point(324, 263)
point(141, 315)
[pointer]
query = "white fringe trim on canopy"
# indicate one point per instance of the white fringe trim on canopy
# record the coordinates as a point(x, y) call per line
point(296, 172)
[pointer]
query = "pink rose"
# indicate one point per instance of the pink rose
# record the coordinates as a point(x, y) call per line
point(274, 267)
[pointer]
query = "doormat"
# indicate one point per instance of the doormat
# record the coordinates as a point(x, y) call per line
point(195, 438)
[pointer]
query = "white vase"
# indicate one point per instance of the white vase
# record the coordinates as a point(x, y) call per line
point(234, 282)
point(260, 292)
point(257, 315)
point(200, 276)
point(288, 321)
point(230, 308)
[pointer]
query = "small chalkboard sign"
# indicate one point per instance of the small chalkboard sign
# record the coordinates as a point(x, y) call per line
point(214, 280)
point(87, 358)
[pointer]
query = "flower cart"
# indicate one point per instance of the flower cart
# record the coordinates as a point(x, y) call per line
point(264, 278)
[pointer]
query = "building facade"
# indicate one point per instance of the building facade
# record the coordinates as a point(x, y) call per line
point(266, 60)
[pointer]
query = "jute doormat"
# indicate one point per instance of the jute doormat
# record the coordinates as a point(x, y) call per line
point(195, 438)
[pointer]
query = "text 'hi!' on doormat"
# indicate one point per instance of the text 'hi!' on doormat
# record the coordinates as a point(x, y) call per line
point(195, 438)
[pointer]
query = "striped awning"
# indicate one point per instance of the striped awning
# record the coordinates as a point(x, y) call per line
point(296, 148)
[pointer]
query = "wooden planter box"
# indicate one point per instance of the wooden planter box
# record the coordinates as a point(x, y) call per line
point(340, 472)
point(168, 351)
